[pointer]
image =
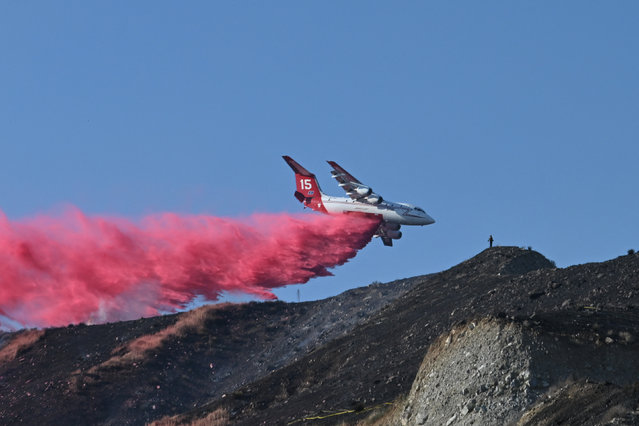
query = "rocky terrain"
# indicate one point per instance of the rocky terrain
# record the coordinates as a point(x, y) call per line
point(502, 337)
point(492, 370)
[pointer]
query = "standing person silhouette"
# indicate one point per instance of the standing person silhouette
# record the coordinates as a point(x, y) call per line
point(490, 241)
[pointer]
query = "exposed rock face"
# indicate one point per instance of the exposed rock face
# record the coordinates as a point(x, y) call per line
point(489, 372)
point(474, 373)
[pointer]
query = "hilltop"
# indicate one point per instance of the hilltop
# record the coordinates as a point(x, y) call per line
point(363, 355)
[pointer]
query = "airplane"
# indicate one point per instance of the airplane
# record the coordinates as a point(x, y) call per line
point(362, 200)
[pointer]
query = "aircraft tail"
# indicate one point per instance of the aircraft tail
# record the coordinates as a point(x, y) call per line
point(308, 191)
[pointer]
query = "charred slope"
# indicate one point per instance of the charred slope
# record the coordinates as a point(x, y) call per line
point(274, 363)
point(584, 403)
point(136, 371)
point(378, 360)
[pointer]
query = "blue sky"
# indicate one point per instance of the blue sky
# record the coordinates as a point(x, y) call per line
point(513, 119)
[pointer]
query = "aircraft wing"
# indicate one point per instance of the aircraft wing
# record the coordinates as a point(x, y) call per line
point(353, 187)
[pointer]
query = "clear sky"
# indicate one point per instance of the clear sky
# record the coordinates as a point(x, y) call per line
point(517, 119)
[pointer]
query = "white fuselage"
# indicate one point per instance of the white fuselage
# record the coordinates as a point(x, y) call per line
point(404, 214)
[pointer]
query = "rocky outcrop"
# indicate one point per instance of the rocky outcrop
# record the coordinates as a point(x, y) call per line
point(490, 372)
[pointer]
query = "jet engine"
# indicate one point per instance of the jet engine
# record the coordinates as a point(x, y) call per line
point(363, 191)
point(395, 235)
point(392, 226)
point(374, 198)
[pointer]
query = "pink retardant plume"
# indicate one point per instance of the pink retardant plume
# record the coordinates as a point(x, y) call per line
point(76, 268)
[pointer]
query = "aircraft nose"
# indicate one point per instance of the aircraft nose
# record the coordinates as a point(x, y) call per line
point(428, 220)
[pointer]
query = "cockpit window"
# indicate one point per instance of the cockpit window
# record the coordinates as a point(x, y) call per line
point(419, 209)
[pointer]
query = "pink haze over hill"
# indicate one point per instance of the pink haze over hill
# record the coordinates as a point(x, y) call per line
point(69, 268)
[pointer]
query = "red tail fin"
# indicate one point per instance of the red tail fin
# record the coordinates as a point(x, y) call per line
point(308, 190)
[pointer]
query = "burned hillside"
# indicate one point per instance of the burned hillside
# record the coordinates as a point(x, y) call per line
point(377, 362)
point(277, 363)
point(135, 371)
